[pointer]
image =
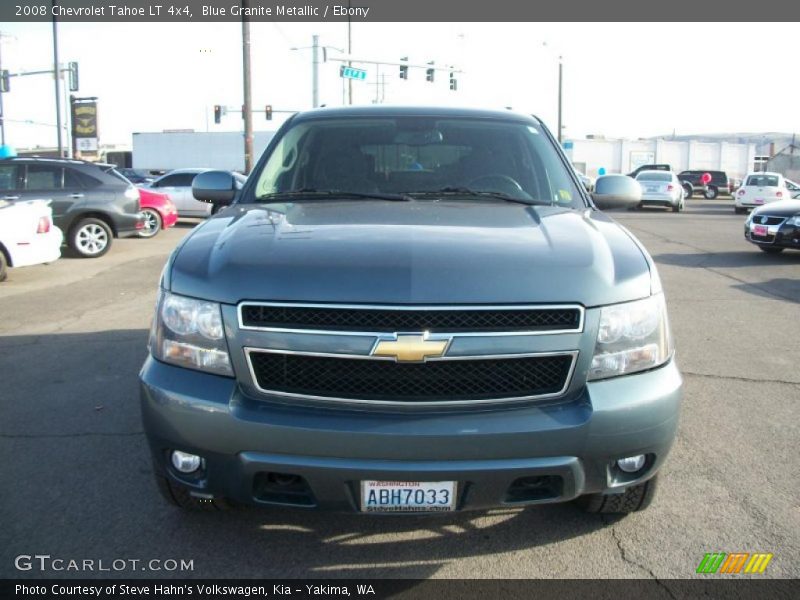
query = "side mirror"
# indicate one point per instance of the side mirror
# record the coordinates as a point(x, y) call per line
point(616, 191)
point(216, 187)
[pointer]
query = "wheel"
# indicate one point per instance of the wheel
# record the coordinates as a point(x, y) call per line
point(711, 193)
point(3, 266)
point(770, 249)
point(90, 238)
point(152, 223)
point(179, 496)
point(678, 207)
point(688, 190)
point(631, 500)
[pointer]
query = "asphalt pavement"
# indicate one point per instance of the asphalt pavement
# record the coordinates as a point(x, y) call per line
point(76, 482)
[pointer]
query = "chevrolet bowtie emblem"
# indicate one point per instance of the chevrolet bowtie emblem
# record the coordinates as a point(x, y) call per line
point(410, 348)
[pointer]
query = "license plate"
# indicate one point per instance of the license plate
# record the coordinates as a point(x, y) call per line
point(759, 201)
point(652, 189)
point(408, 496)
point(760, 230)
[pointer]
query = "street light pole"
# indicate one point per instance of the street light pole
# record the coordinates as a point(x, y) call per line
point(247, 113)
point(57, 75)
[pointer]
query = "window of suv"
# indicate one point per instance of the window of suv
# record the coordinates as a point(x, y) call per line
point(408, 155)
point(9, 178)
point(44, 177)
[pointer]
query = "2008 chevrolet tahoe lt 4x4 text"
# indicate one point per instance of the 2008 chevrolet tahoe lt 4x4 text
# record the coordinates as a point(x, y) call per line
point(411, 310)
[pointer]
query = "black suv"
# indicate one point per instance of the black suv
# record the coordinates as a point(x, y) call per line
point(92, 203)
point(692, 182)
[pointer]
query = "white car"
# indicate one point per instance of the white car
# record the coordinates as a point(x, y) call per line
point(27, 234)
point(177, 185)
point(661, 188)
point(760, 188)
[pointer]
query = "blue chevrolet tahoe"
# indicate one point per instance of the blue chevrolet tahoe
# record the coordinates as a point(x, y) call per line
point(411, 310)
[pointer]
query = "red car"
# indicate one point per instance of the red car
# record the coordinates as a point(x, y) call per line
point(158, 210)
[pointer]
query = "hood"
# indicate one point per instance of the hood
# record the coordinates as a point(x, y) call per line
point(422, 252)
point(781, 208)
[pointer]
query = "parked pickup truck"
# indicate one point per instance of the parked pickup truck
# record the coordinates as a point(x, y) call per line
point(411, 310)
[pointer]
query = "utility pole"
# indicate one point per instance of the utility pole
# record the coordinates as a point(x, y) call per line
point(315, 71)
point(2, 114)
point(57, 76)
point(349, 53)
point(248, 100)
point(560, 80)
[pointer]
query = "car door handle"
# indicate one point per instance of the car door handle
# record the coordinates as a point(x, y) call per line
point(10, 197)
point(76, 196)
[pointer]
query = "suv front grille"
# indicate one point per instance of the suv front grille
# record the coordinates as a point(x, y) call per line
point(383, 320)
point(441, 381)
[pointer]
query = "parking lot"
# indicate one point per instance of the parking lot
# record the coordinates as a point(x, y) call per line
point(77, 483)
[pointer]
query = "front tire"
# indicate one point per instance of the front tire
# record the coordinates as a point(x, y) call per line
point(711, 193)
point(770, 249)
point(633, 499)
point(90, 238)
point(152, 223)
point(688, 190)
point(3, 266)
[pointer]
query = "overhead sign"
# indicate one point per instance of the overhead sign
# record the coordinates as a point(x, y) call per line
point(352, 73)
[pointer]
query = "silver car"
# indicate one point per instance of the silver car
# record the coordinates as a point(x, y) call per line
point(661, 188)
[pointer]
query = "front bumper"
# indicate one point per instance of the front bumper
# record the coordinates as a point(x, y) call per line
point(782, 236)
point(571, 445)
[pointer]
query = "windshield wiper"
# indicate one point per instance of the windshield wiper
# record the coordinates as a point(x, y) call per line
point(310, 193)
point(465, 191)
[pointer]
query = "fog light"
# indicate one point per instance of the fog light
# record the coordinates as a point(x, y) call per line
point(185, 463)
point(631, 464)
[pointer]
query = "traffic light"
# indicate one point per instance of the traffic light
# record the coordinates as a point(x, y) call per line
point(453, 81)
point(5, 81)
point(217, 114)
point(268, 112)
point(429, 73)
point(73, 77)
point(404, 68)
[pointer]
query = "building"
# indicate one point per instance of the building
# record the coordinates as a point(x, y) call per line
point(623, 156)
point(179, 149)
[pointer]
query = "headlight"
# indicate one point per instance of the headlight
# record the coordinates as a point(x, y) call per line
point(189, 333)
point(632, 337)
point(795, 220)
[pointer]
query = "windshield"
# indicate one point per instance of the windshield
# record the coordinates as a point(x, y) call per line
point(654, 176)
point(418, 155)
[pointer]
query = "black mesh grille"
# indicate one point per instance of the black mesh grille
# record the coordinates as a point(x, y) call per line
point(383, 320)
point(761, 220)
point(445, 380)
